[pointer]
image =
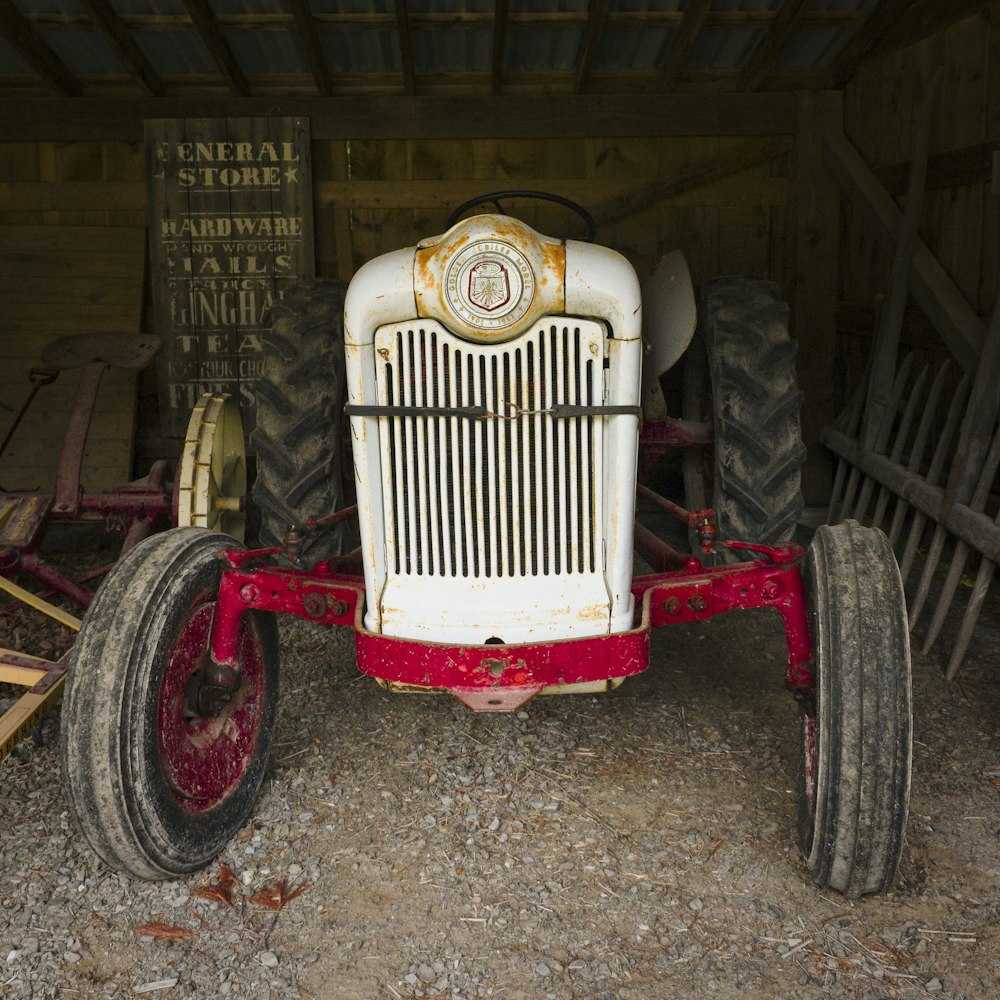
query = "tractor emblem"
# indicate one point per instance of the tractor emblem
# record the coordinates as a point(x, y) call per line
point(489, 287)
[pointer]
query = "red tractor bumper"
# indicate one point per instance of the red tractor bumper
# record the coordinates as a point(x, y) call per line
point(500, 678)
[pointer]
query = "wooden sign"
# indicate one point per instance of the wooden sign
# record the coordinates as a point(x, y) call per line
point(230, 229)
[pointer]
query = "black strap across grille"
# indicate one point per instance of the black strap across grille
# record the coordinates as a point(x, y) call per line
point(560, 411)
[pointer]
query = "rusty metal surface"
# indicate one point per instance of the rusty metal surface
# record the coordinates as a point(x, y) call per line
point(134, 511)
point(533, 271)
point(500, 677)
point(44, 681)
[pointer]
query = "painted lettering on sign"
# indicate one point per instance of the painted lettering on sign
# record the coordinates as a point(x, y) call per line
point(231, 229)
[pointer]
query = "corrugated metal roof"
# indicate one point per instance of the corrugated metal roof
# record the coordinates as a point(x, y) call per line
point(452, 38)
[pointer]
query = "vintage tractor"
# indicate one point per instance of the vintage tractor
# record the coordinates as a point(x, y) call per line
point(494, 388)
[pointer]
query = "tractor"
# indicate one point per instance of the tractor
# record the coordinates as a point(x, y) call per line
point(493, 384)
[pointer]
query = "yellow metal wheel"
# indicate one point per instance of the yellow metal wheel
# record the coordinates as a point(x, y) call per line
point(212, 479)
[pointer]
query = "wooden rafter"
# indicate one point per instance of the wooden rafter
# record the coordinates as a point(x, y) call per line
point(880, 19)
point(120, 38)
point(499, 44)
point(21, 34)
point(453, 116)
point(763, 56)
point(480, 20)
point(708, 170)
point(203, 18)
point(305, 24)
point(925, 18)
point(675, 55)
point(586, 56)
point(405, 46)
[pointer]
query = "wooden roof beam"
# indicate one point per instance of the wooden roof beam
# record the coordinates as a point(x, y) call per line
point(925, 18)
point(120, 38)
point(305, 24)
point(922, 20)
point(763, 57)
point(885, 15)
point(405, 46)
point(452, 116)
point(674, 57)
point(499, 44)
point(597, 18)
point(21, 34)
point(203, 19)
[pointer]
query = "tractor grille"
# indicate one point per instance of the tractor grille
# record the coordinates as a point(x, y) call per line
point(516, 494)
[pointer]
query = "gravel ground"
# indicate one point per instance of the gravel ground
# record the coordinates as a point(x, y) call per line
point(635, 845)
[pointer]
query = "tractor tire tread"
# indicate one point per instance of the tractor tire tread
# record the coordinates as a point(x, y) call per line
point(853, 839)
point(758, 441)
point(298, 438)
point(103, 762)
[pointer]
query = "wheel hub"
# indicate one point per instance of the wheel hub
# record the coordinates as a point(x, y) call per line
point(208, 714)
point(210, 689)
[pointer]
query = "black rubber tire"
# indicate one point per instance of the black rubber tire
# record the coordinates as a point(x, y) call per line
point(854, 773)
point(299, 436)
point(115, 770)
point(740, 375)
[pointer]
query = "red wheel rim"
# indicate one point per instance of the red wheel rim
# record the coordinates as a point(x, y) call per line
point(204, 760)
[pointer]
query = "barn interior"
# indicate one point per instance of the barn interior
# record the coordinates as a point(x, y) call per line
point(847, 150)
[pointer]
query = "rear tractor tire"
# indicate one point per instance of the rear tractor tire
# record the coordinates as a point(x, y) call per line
point(300, 403)
point(157, 784)
point(739, 375)
point(856, 739)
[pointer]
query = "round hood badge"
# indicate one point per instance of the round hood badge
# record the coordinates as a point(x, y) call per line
point(489, 285)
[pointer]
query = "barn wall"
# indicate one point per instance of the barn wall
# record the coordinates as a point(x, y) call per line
point(372, 195)
point(961, 217)
point(375, 195)
point(401, 190)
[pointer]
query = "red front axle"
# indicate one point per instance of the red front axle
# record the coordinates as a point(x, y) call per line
point(502, 677)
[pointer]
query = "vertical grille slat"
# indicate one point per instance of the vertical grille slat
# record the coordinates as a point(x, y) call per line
point(512, 496)
point(549, 482)
point(573, 456)
point(448, 480)
point(411, 489)
point(513, 388)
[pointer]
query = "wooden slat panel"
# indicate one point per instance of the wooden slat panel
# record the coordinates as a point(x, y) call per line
point(65, 196)
point(55, 281)
point(959, 221)
point(446, 194)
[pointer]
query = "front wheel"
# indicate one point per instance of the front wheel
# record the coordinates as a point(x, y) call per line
point(856, 739)
point(157, 782)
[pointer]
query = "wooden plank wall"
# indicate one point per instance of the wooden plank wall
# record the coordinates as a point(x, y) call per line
point(376, 195)
point(373, 195)
point(56, 281)
point(72, 261)
point(961, 219)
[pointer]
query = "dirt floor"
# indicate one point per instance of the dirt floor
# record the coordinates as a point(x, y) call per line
point(639, 844)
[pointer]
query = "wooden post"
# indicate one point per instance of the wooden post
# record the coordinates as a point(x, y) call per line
point(813, 280)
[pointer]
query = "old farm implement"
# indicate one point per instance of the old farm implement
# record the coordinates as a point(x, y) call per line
point(493, 382)
point(208, 490)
